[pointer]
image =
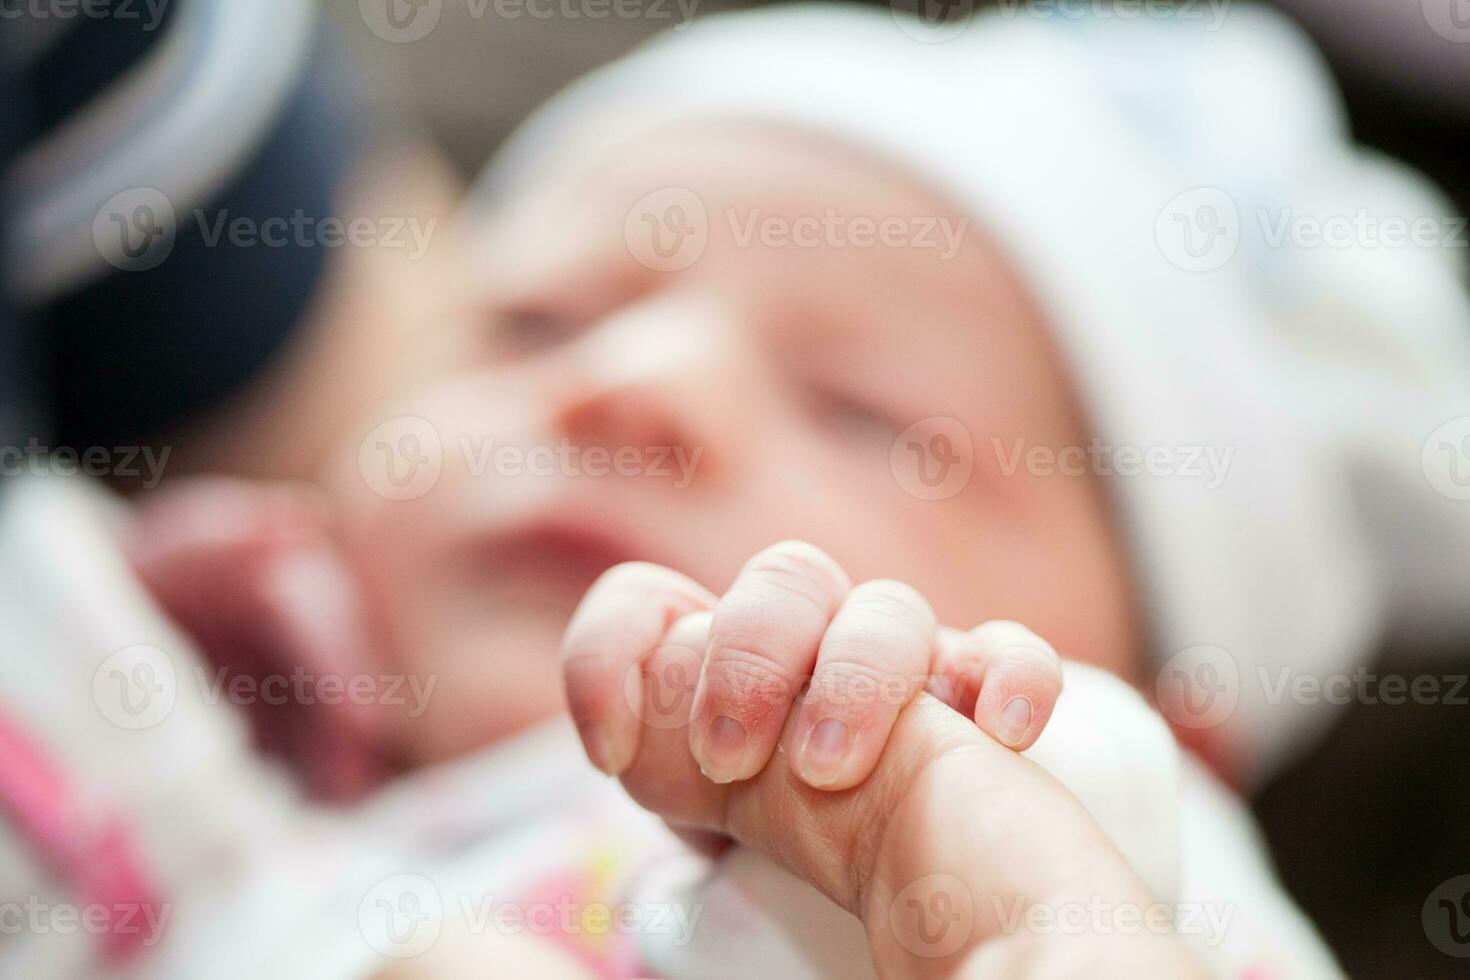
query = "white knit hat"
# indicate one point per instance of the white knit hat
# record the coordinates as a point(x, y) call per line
point(1157, 182)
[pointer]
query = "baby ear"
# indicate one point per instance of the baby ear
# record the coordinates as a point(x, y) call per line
point(253, 573)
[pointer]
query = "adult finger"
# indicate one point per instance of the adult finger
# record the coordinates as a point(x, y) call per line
point(950, 824)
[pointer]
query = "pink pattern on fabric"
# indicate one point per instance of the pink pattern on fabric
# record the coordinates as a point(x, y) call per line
point(610, 955)
point(98, 856)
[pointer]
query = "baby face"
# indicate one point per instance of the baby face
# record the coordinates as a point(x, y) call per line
point(837, 348)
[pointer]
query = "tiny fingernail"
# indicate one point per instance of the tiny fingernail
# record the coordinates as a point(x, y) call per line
point(594, 740)
point(724, 747)
point(1014, 721)
point(820, 762)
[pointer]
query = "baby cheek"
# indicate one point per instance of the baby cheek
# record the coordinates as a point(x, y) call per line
point(485, 680)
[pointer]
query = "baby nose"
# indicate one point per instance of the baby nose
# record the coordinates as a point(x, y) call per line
point(654, 379)
point(631, 416)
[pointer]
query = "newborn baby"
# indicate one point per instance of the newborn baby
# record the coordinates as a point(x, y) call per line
point(794, 275)
point(1194, 469)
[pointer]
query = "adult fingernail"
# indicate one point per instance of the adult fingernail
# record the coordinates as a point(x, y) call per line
point(826, 748)
point(724, 747)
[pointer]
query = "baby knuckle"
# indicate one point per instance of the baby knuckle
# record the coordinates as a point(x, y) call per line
point(897, 603)
point(803, 569)
point(742, 676)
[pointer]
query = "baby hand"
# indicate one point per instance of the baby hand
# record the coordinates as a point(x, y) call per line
point(686, 697)
point(792, 616)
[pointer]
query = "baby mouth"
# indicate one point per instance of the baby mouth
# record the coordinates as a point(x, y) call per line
point(563, 560)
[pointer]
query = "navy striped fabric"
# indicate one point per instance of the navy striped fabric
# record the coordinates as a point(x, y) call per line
point(123, 356)
point(16, 367)
point(82, 63)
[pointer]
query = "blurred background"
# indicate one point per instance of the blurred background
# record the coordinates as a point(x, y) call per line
point(476, 75)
